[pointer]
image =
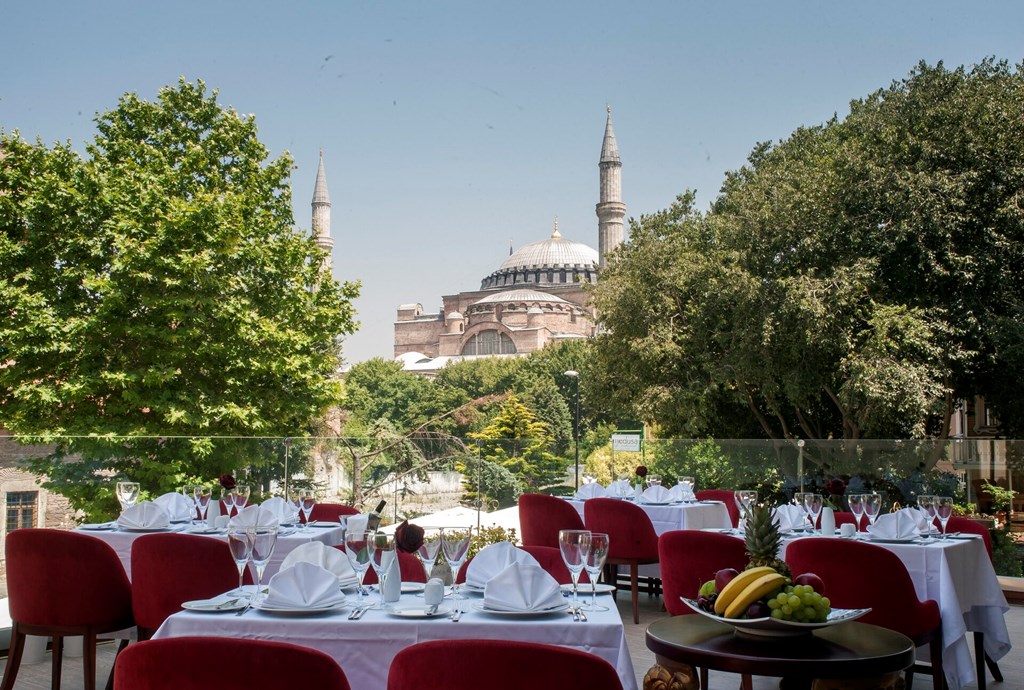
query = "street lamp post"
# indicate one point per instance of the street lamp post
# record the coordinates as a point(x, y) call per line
point(576, 424)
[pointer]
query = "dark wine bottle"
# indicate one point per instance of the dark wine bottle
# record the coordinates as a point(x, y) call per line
point(373, 521)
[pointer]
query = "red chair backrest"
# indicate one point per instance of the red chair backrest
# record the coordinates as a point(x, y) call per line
point(967, 526)
point(237, 664)
point(689, 558)
point(541, 517)
point(550, 559)
point(59, 578)
point(726, 497)
point(168, 569)
point(843, 518)
point(629, 529)
point(859, 575)
point(409, 565)
point(329, 512)
point(497, 665)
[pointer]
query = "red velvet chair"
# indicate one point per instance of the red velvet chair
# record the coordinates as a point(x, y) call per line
point(497, 665)
point(168, 569)
point(632, 540)
point(329, 512)
point(63, 583)
point(226, 664)
point(726, 497)
point(541, 517)
point(859, 575)
point(550, 559)
point(844, 518)
point(409, 565)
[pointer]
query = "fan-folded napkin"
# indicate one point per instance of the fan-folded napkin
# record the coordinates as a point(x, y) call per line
point(354, 524)
point(145, 515)
point(898, 525)
point(286, 513)
point(179, 508)
point(590, 490)
point(324, 556)
point(682, 492)
point(656, 494)
point(790, 517)
point(620, 488)
point(304, 586)
point(254, 516)
point(522, 587)
point(494, 559)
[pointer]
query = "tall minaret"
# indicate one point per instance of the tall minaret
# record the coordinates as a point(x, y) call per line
point(610, 211)
point(322, 213)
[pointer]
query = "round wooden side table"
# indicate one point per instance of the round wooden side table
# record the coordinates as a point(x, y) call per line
point(847, 656)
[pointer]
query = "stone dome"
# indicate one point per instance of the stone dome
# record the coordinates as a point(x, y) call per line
point(554, 261)
point(529, 296)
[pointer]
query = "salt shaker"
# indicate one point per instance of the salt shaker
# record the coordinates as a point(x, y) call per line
point(828, 522)
point(433, 592)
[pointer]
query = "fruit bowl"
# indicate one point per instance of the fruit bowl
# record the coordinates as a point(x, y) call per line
point(771, 627)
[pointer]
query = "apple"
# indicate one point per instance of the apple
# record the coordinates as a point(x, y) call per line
point(724, 577)
point(812, 580)
point(758, 610)
point(707, 589)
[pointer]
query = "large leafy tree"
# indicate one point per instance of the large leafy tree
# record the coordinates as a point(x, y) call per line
point(852, 281)
point(156, 287)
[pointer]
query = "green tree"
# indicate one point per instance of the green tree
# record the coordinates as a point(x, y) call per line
point(380, 389)
point(156, 287)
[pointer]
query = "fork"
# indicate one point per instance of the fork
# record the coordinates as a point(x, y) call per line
point(582, 617)
point(357, 612)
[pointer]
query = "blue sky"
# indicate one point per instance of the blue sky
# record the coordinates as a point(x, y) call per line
point(451, 128)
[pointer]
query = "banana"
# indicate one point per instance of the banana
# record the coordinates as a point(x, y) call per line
point(754, 591)
point(737, 585)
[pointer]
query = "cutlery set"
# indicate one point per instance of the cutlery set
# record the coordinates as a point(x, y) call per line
point(578, 615)
point(358, 612)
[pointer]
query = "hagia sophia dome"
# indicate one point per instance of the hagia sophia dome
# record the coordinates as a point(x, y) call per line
point(553, 261)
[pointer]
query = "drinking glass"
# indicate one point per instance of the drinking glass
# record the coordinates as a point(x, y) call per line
point(574, 545)
point(242, 497)
point(926, 502)
point(227, 497)
point(429, 549)
point(813, 503)
point(872, 506)
point(653, 480)
point(359, 549)
point(188, 492)
point(856, 502)
point(455, 544)
point(263, 542)
point(307, 499)
point(127, 494)
point(800, 499)
point(687, 487)
point(594, 564)
point(381, 557)
point(294, 497)
point(944, 511)
point(240, 541)
point(744, 499)
point(202, 495)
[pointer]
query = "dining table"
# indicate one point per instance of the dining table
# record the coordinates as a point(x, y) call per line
point(365, 647)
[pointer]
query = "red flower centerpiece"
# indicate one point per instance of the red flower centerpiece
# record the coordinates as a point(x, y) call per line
point(408, 538)
point(641, 471)
point(227, 482)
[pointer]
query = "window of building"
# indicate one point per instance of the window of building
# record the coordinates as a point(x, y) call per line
point(21, 509)
point(489, 343)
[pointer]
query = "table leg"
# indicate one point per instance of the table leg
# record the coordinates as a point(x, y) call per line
point(671, 675)
point(890, 681)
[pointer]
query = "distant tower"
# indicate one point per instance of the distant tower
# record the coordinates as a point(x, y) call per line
point(610, 211)
point(322, 213)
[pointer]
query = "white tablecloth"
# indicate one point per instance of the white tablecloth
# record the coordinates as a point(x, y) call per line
point(121, 541)
point(698, 515)
point(365, 648)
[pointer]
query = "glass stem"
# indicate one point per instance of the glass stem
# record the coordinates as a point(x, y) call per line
point(593, 590)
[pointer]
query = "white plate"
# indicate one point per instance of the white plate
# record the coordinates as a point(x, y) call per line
point(466, 588)
point(300, 611)
point(883, 540)
point(561, 608)
point(656, 503)
point(410, 587)
point(219, 605)
point(584, 588)
point(98, 526)
point(144, 529)
point(203, 529)
point(416, 611)
point(770, 627)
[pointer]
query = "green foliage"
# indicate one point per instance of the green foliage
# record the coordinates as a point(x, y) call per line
point(490, 535)
point(379, 389)
point(157, 288)
point(1002, 499)
point(1006, 556)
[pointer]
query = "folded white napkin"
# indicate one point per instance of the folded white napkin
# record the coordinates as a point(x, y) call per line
point(522, 587)
point(620, 488)
point(356, 523)
point(682, 492)
point(254, 516)
point(590, 490)
point(656, 494)
point(898, 525)
point(921, 517)
point(304, 586)
point(284, 512)
point(145, 515)
point(179, 508)
point(324, 556)
point(790, 517)
point(494, 559)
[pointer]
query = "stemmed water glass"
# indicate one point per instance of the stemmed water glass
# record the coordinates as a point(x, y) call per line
point(381, 557)
point(240, 541)
point(926, 502)
point(264, 540)
point(653, 480)
point(744, 499)
point(856, 502)
point(242, 497)
point(307, 499)
point(188, 492)
point(359, 549)
point(813, 503)
point(429, 549)
point(944, 511)
point(574, 545)
point(227, 497)
point(127, 494)
point(202, 495)
point(800, 499)
point(455, 544)
point(872, 506)
point(594, 564)
point(295, 499)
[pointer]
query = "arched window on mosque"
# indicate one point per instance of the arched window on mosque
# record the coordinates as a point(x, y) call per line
point(489, 343)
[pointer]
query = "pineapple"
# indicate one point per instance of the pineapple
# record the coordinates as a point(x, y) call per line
point(762, 540)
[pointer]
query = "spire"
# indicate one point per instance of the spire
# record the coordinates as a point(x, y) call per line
point(510, 246)
point(610, 147)
point(320, 195)
point(322, 212)
point(555, 235)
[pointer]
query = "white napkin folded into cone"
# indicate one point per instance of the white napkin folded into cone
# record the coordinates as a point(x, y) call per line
point(523, 587)
point(324, 556)
point(620, 488)
point(494, 559)
point(682, 492)
point(179, 508)
point(303, 586)
point(283, 511)
point(254, 516)
point(656, 494)
point(590, 490)
point(145, 515)
point(790, 517)
point(898, 525)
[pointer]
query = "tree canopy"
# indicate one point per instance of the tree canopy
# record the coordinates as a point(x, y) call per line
point(156, 286)
point(854, 280)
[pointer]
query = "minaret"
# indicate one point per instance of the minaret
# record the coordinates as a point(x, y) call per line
point(610, 211)
point(322, 213)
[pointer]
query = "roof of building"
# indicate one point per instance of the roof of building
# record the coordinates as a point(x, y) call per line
point(519, 296)
point(556, 251)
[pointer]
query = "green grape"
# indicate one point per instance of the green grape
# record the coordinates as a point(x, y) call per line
point(773, 603)
point(787, 611)
point(794, 601)
point(807, 599)
point(777, 614)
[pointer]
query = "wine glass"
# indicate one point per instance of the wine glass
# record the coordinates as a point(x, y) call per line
point(574, 545)
point(240, 541)
point(307, 499)
point(594, 564)
point(429, 549)
point(127, 494)
point(944, 511)
point(242, 497)
point(455, 544)
point(856, 502)
point(227, 497)
point(359, 549)
point(800, 499)
point(653, 480)
point(872, 506)
point(686, 487)
point(188, 492)
point(294, 497)
point(744, 499)
point(926, 502)
point(381, 557)
point(264, 540)
point(813, 503)
point(202, 495)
